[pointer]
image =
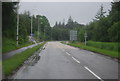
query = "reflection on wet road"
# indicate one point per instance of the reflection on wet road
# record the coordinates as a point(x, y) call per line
point(60, 61)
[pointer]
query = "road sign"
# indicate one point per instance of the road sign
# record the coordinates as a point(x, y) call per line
point(73, 35)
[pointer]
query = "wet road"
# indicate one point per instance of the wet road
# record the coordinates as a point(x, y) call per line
point(60, 61)
point(9, 54)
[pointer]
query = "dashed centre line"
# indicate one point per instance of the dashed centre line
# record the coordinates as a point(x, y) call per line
point(84, 66)
point(93, 73)
point(67, 53)
point(75, 60)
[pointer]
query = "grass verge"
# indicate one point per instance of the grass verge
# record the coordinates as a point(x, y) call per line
point(112, 46)
point(15, 61)
point(9, 45)
point(113, 54)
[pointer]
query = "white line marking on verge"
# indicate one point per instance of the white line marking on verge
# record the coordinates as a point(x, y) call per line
point(67, 53)
point(75, 60)
point(93, 73)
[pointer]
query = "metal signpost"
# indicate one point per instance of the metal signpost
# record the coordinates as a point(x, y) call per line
point(73, 35)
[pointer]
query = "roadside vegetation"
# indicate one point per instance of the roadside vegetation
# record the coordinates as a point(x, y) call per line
point(9, 27)
point(103, 28)
point(106, 48)
point(111, 46)
point(9, 45)
point(12, 63)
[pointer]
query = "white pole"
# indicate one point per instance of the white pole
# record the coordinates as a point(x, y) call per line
point(17, 24)
point(51, 33)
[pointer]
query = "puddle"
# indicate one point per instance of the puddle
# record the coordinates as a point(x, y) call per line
point(30, 62)
point(25, 67)
point(33, 59)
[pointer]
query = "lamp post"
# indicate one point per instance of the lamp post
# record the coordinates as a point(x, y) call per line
point(31, 25)
point(51, 33)
point(17, 33)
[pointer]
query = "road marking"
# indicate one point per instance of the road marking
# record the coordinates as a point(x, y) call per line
point(68, 53)
point(93, 73)
point(75, 60)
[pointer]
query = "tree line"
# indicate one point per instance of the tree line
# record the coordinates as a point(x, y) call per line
point(61, 31)
point(9, 24)
point(105, 28)
point(102, 28)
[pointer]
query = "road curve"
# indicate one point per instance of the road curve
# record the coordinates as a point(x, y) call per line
point(60, 61)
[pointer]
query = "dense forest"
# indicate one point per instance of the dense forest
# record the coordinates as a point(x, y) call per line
point(61, 31)
point(101, 28)
point(105, 28)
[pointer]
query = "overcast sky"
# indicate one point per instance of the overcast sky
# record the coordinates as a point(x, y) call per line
point(82, 12)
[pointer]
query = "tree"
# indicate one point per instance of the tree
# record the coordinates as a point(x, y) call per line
point(105, 28)
point(100, 13)
point(9, 19)
point(56, 24)
point(114, 14)
point(114, 32)
point(70, 23)
point(114, 22)
point(24, 27)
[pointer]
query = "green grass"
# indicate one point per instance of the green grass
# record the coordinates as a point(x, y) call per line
point(111, 53)
point(104, 45)
point(24, 45)
point(15, 61)
point(9, 45)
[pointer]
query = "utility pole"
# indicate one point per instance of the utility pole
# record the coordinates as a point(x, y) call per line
point(31, 26)
point(51, 33)
point(17, 33)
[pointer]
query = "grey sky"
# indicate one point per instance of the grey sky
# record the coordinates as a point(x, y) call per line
point(82, 12)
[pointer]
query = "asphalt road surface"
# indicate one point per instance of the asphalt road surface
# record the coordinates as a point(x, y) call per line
point(9, 54)
point(60, 61)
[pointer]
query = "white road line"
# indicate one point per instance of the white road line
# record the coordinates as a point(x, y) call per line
point(67, 53)
point(93, 73)
point(75, 60)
